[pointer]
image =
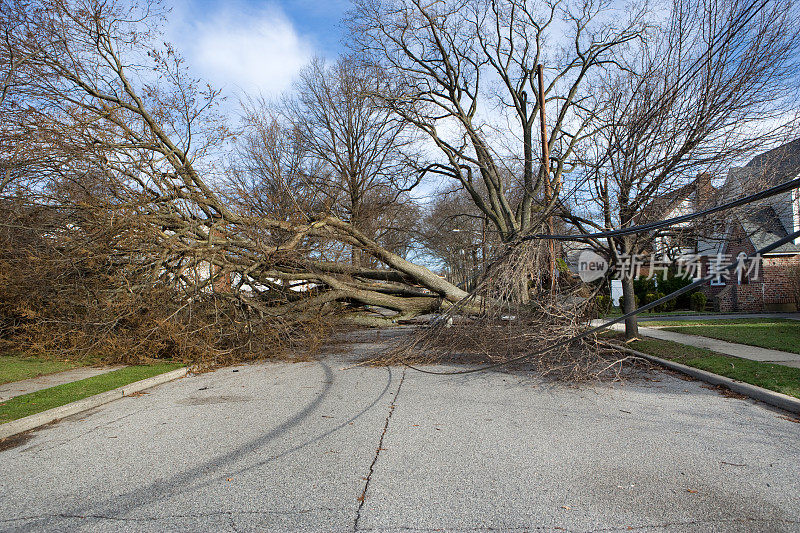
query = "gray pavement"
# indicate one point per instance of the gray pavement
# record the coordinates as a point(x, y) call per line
point(288, 447)
point(26, 386)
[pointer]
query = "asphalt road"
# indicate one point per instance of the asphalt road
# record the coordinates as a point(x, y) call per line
point(322, 447)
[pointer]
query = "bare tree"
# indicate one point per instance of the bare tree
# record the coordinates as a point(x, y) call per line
point(708, 87)
point(139, 136)
point(466, 78)
point(362, 148)
point(456, 234)
point(276, 171)
point(272, 174)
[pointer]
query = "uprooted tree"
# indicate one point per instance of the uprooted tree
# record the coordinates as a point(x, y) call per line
point(118, 143)
point(121, 224)
point(467, 77)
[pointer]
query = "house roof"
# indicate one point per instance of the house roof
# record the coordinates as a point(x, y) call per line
point(761, 222)
point(763, 227)
point(765, 170)
point(699, 192)
point(779, 164)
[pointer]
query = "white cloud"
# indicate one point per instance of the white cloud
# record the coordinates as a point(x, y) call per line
point(241, 49)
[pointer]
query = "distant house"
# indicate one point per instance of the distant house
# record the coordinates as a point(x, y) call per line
point(776, 284)
point(775, 288)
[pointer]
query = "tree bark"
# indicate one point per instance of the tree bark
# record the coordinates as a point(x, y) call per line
point(629, 304)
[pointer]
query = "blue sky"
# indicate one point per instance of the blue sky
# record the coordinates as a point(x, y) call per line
point(252, 47)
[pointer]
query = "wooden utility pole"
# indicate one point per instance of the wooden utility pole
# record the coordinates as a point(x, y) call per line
point(548, 192)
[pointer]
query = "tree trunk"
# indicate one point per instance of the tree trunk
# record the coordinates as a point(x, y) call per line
point(355, 256)
point(523, 297)
point(628, 305)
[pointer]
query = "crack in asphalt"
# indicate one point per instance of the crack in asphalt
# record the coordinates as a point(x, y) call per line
point(363, 498)
point(232, 523)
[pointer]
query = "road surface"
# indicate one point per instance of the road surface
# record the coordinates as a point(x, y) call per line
point(324, 446)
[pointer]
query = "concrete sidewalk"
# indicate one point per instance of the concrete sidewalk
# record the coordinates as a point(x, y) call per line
point(728, 316)
point(26, 386)
point(328, 446)
point(728, 348)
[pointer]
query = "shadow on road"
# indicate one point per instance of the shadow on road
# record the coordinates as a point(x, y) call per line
point(117, 507)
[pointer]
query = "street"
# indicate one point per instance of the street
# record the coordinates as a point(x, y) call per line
point(326, 446)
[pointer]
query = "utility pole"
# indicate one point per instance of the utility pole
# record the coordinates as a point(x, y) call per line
point(548, 192)
point(483, 243)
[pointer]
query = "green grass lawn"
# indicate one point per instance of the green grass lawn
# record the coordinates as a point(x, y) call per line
point(776, 334)
point(780, 378)
point(16, 367)
point(44, 399)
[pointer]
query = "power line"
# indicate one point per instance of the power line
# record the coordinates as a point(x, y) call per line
point(667, 298)
point(767, 193)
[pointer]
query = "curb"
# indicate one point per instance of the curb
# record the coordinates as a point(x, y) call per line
point(45, 417)
point(776, 399)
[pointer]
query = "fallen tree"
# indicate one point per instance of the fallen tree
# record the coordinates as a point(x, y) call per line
point(112, 169)
point(120, 150)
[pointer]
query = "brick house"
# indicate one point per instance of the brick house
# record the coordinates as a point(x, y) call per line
point(776, 287)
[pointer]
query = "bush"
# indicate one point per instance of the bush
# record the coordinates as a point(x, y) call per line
point(642, 287)
point(662, 308)
point(699, 301)
point(637, 299)
point(672, 284)
point(646, 289)
point(648, 297)
point(651, 297)
point(603, 303)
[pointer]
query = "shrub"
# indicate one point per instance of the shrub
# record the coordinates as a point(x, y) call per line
point(667, 306)
point(651, 297)
point(672, 284)
point(638, 301)
point(603, 303)
point(699, 301)
point(642, 287)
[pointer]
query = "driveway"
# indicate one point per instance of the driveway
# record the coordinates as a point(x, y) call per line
point(325, 446)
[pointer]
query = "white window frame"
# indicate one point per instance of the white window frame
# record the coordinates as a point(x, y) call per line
point(796, 212)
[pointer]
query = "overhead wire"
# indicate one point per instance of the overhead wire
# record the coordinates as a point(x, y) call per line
point(564, 342)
